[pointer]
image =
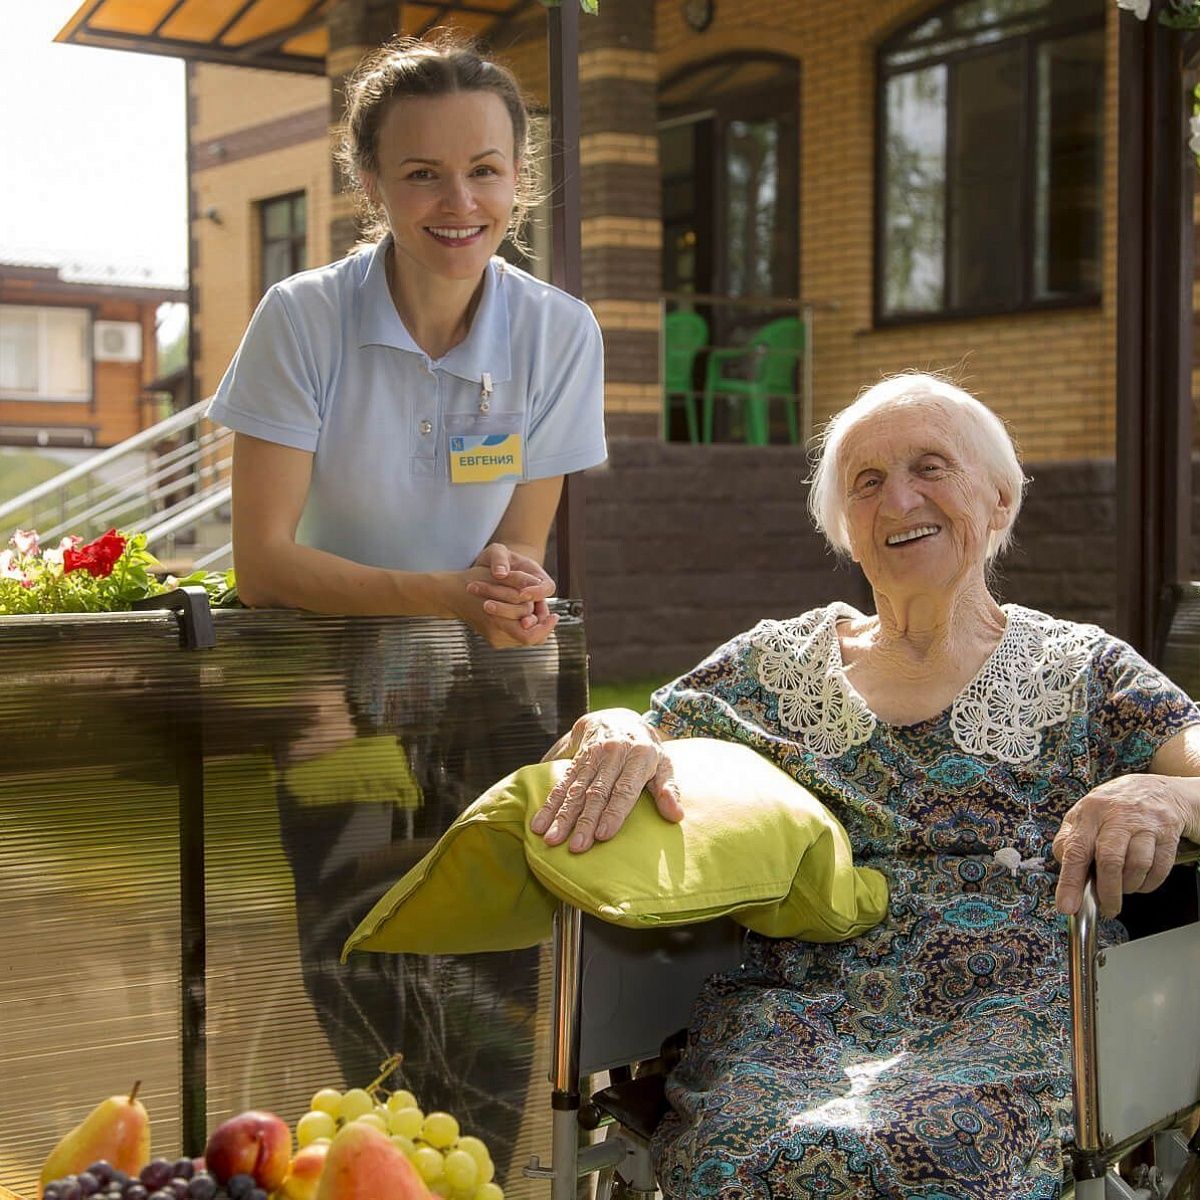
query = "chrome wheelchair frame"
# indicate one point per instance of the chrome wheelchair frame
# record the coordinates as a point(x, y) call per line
point(1130, 1083)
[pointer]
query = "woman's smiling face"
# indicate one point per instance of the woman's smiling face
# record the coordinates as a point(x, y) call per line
point(446, 180)
point(919, 506)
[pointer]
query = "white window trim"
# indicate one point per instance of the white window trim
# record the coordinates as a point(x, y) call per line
point(43, 347)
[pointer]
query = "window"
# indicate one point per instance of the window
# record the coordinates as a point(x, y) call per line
point(45, 353)
point(990, 170)
point(284, 241)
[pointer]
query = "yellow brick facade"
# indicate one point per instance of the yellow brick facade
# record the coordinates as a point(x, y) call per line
point(228, 100)
point(1050, 374)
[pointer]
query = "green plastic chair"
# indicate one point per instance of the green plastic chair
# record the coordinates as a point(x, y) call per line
point(773, 353)
point(684, 335)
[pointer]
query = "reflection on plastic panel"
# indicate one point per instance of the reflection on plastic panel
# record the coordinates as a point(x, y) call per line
point(296, 771)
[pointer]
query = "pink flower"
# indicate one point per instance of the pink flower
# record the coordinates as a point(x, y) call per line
point(70, 541)
point(26, 541)
point(8, 567)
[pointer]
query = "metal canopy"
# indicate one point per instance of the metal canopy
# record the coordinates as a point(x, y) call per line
point(279, 35)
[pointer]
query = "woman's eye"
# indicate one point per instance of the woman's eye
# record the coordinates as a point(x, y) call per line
point(485, 170)
point(420, 174)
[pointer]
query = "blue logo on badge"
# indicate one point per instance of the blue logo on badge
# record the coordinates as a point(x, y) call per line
point(457, 443)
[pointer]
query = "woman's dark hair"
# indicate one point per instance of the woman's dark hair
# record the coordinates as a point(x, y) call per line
point(441, 65)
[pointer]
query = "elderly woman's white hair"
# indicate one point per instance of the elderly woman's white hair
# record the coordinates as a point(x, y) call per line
point(982, 429)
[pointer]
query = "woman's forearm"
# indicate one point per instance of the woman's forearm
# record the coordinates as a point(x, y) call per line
point(288, 575)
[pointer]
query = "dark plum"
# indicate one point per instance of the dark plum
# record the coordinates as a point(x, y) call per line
point(88, 1183)
point(255, 1194)
point(183, 1168)
point(136, 1191)
point(179, 1187)
point(103, 1171)
point(70, 1190)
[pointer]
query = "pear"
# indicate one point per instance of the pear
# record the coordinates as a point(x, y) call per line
point(116, 1130)
point(363, 1164)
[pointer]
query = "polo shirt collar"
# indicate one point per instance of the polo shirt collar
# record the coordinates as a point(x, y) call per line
point(486, 348)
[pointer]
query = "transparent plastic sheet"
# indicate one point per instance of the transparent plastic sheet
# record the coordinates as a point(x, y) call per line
point(187, 837)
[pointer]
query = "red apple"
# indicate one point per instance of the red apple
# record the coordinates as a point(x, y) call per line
point(252, 1143)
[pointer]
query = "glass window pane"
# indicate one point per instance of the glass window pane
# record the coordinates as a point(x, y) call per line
point(985, 181)
point(68, 358)
point(298, 219)
point(276, 219)
point(1068, 176)
point(752, 198)
point(299, 255)
point(18, 350)
point(915, 183)
point(276, 262)
point(981, 22)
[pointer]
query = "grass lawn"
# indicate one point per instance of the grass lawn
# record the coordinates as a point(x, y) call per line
point(635, 694)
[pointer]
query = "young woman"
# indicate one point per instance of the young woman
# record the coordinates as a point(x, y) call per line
point(404, 416)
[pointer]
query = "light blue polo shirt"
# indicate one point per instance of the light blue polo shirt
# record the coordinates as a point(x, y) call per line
point(326, 365)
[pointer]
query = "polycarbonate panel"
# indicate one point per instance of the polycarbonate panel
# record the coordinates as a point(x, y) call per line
point(308, 761)
point(129, 16)
point(267, 17)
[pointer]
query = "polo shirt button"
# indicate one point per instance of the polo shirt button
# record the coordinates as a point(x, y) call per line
point(426, 427)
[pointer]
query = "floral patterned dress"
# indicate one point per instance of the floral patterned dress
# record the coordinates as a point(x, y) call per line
point(928, 1057)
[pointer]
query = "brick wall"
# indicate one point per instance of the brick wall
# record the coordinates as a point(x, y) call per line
point(689, 545)
point(282, 120)
point(1050, 374)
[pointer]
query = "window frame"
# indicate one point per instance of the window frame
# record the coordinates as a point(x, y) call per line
point(1029, 42)
point(20, 396)
point(292, 239)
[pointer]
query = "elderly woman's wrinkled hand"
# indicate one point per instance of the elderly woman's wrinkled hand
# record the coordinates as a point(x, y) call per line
point(1130, 828)
point(614, 756)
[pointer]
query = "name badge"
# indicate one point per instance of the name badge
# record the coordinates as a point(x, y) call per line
point(485, 457)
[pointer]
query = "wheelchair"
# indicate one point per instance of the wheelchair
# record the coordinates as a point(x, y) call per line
point(622, 996)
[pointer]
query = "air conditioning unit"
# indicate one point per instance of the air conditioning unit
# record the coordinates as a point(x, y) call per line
point(117, 341)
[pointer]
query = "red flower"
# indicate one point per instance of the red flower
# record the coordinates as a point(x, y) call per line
point(97, 558)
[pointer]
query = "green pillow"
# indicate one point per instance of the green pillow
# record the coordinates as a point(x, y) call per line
point(753, 844)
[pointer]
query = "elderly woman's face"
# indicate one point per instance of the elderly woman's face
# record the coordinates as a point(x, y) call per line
point(919, 504)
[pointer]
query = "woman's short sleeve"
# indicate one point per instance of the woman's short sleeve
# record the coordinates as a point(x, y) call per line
point(1134, 709)
point(272, 388)
point(566, 421)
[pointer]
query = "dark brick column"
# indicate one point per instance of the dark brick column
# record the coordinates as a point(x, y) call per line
point(622, 219)
point(355, 28)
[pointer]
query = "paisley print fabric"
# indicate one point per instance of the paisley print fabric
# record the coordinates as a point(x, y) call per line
point(928, 1057)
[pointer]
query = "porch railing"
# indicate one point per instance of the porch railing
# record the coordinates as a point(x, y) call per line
point(163, 481)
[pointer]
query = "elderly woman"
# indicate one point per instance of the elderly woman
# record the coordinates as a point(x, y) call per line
point(965, 746)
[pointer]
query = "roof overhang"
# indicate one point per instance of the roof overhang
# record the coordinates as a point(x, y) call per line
point(275, 35)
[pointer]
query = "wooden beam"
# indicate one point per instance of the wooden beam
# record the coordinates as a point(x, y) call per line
point(566, 262)
point(1154, 326)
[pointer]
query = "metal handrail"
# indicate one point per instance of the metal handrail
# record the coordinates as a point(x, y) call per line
point(147, 437)
point(186, 517)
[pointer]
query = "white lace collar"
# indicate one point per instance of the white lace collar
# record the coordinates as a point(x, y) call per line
point(1026, 685)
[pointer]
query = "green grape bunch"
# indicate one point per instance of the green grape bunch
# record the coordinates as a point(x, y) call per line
point(453, 1165)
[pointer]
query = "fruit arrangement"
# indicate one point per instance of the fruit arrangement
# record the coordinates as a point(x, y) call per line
point(361, 1144)
point(447, 1162)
